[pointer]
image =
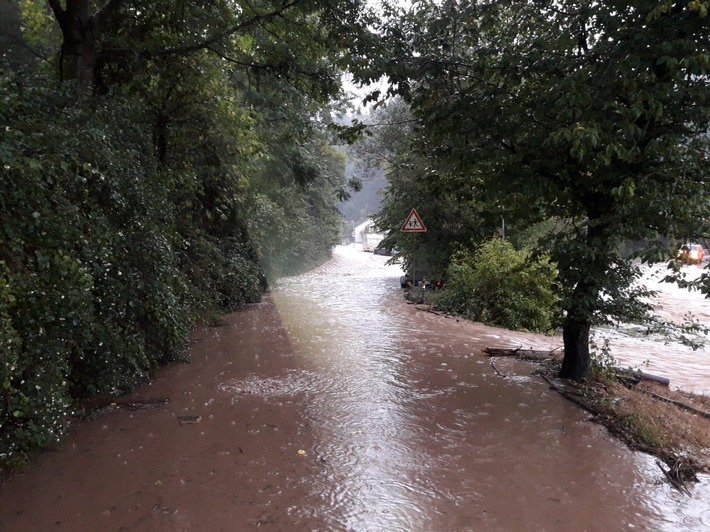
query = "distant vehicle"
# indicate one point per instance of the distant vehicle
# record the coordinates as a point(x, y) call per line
point(384, 251)
point(691, 253)
point(371, 241)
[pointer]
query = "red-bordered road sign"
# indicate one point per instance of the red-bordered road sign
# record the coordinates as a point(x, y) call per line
point(413, 223)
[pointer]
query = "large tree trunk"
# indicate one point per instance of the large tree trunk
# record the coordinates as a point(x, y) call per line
point(80, 37)
point(79, 58)
point(575, 364)
point(585, 297)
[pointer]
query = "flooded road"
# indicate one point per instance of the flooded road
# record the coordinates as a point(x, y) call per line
point(335, 405)
point(686, 368)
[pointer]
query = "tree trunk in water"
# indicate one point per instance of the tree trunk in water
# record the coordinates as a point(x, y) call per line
point(575, 364)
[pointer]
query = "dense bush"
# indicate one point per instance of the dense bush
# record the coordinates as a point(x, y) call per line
point(80, 210)
point(115, 241)
point(95, 284)
point(226, 271)
point(500, 286)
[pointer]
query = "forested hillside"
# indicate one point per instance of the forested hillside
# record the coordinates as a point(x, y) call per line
point(161, 161)
point(365, 202)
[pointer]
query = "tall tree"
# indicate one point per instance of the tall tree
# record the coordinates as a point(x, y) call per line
point(286, 28)
point(592, 112)
point(81, 29)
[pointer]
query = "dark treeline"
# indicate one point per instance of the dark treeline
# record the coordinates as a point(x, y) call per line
point(160, 163)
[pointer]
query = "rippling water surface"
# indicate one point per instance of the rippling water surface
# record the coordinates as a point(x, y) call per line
point(417, 432)
point(685, 367)
point(335, 405)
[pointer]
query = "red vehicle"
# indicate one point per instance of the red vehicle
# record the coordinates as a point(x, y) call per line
point(691, 253)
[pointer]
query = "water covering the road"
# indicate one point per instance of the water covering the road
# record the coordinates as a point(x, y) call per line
point(686, 368)
point(335, 405)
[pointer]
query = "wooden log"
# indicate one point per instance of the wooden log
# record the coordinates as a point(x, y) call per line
point(640, 375)
point(499, 352)
point(517, 352)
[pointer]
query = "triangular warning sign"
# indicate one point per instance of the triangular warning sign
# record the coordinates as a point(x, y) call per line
point(413, 223)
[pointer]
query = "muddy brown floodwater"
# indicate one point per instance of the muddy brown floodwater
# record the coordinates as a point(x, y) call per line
point(335, 405)
point(686, 368)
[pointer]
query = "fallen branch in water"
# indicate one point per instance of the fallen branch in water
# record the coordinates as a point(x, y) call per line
point(641, 376)
point(519, 352)
point(104, 404)
point(499, 372)
point(676, 474)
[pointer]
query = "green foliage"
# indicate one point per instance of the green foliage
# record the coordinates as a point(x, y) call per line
point(98, 298)
point(293, 220)
point(234, 123)
point(98, 285)
point(225, 272)
point(39, 29)
point(596, 117)
point(500, 286)
point(602, 364)
point(195, 168)
point(644, 428)
point(448, 203)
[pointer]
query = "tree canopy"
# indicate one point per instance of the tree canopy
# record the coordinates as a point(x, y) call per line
point(592, 113)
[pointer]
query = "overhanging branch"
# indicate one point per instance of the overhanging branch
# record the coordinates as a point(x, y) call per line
point(256, 19)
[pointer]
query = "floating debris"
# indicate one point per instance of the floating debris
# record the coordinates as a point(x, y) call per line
point(188, 420)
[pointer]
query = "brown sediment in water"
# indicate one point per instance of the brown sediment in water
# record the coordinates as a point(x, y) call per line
point(334, 405)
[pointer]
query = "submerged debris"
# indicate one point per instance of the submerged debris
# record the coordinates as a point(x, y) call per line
point(104, 404)
point(185, 420)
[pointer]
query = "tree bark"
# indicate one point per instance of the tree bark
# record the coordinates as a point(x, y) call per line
point(575, 364)
point(80, 37)
point(596, 251)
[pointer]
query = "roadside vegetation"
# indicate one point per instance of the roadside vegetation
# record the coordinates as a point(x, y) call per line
point(158, 166)
point(647, 415)
point(500, 286)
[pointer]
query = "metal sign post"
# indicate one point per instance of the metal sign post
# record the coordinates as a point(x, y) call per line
point(413, 224)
